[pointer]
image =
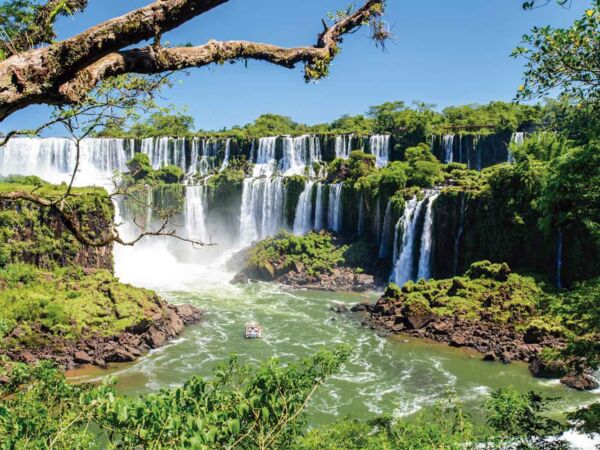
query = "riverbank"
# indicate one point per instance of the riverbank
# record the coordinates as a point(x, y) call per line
point(489, 310)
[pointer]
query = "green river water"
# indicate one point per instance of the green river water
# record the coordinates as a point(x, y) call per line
point(385, 375)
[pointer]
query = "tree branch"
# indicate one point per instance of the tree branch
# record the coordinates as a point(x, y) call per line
point(71, 223)
point(62, 73)
point(153, 59)
point(41, 30)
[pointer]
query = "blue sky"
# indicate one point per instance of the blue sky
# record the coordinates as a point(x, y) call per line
point(445, 52)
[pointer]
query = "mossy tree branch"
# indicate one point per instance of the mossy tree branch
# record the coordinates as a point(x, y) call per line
point(64, 72)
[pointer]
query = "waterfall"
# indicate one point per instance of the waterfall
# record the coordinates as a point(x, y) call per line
point(165, 151)
point(265, 162)
point(427, 241)
point(517, 138)
point(334, 216)
point(197, 144)
point(262, 208)
point(460, 150)
point(361, 216)
point(461, 229)
point(448, 142)
point(559, 259)
point(384, 242)
point(403, 266)
point(343, 146)
point(53, 159)
point(380, 147)
point(298, 154)
point(226, 155)
point(303, 218)
point(404, 269)
point(319, 208)
point(194, 213)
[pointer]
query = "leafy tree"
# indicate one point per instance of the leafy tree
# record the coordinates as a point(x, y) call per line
point(543, 146)
point(357, 125)
point(520, 417)
point(273, 125)
point(571, 198)
point(163, 123)
point(240, 407)
point(139, 166)
point(424, 170)
point(564, 59)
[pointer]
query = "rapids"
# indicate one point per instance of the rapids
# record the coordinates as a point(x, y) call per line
point(385, 375)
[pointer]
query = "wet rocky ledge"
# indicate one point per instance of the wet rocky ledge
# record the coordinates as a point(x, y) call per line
point(342, 279)
point(496, 342)
point(127, 346)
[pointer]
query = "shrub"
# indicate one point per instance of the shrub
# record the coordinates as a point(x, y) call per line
point(169, 174)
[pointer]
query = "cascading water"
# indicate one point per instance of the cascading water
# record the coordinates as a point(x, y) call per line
point(303, 219)
point(427, 241)
point(403, 266)
point(448, 143)
point(380, 147)
point(404, 269)
point(226, 155)
point(165, 151)
point(265, 162)
point(53, 159)
point(319, 208)
point(334, 214)
point(517, 138)
point(195, 227)
point(343, 146)
point(262, 208)
point(384, 242)
point(298, 155)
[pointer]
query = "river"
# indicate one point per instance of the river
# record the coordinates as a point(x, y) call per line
point(385, 375)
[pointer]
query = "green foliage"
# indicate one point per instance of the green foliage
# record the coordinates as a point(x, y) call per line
point(542, 146)
point(408, 125)
point(567, 59)
point(240, 406)
point(39, 409)
point(28, 23)
point(315, 252)
point(139, 167)
point(30, 233)
point(424, 170)
point(495, 116)
point(359, 164)
point(520, 417)
point(587, 420)
point(571, 198)
point(577, 309)
point(274, 125)
point(169, 174)
point(68, 305)
point(578, 122)
point(445, 425)
point(485, 269)
point(141, 171)
point(229, 181)
point(163, 123)
point(357, 125)
point(485, 293)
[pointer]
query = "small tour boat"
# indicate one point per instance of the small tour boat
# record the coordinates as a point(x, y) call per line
point(253, 331)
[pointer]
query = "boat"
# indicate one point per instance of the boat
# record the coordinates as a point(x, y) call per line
point(253, 330)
